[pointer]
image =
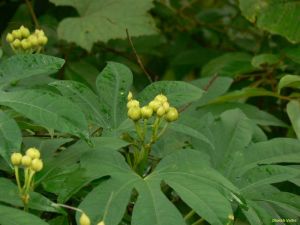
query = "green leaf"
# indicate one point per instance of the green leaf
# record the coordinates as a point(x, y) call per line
point(179, 93)
point(293, 53)
point(113, 85)
point(263, 60)
point(293, 111)
point(12, 216)
point(274, 16)
point(84, 98)
point(47, 109)
point(289, 81)
point(10, 136)
point(230, 64)
point(10, 195)
point(105, 20)
point(23, 66)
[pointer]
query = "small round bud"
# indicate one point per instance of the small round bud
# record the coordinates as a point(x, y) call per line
point(166, 105)
point(42, 40)
point(162, 98)
point(134, 113)
point(17, 34)
point(129, 96)
point(16, 43)
point(26, 161)
point(101, 223)
point(230, 217)
point(37, 165)
point(84, 219)
point(33, 153)
point(25, 44)
point(16, 158)
point(133, 103)
point(155, 105)
point(39, 32)
point(33, 40)
point(147, 112)
point(24, 31)
point(172, 115)
point(9, 38)
point(160, 111)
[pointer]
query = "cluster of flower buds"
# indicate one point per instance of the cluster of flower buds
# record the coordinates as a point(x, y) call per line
point(30, 160)
point(159, 106)
point(85, 220)
point(22, 41)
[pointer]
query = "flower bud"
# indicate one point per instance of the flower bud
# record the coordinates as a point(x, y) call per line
point(16, 158)
point(17, 34)
point(9, 38)
point(101, 223)
point(172, 115)
point(134, 113)
point(166, 106)
point(129, 96)
point(84, 219)
point(33, 40)
point(146, 112)
point(37, 165)
point(230, 217)
point(42, 40)
point(133, 103)
point(25, 44)
point(155, 105)
point(26, 161)
point(160, 111)
point(16, 43)
point(24, 31)
point(162, 98)
point(39, 32)
point(33, 153)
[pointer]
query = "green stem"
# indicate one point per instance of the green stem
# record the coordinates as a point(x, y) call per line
point(67, 207)
point(18, 179)
point(162, 130)
point(189, 215)
point(198, 222)
point(155, 130)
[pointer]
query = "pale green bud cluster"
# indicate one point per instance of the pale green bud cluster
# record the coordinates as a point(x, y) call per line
point(22, 41)
point(30, 160)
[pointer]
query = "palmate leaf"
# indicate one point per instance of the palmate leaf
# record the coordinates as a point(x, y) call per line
point(10, 136)
point(23, 66)
point(106, 202)
point(12, 216)
point(47, 109)
point(104, 20)
point(274, 16)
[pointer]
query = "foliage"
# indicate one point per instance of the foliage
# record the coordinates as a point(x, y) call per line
point(150, 112)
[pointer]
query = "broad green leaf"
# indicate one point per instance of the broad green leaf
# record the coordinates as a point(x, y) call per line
point(23, 66)
point(275, 16)
point(85, 99)
point(230, 65)
point(10, 136)
point(278, 150)
point(293, 111)
point(9, 194)
point(289, 81)
point(105, 20)
point(178, 93)
point(113, 85)
point(293, 53)
point(47, 109)
point(263, 60)
point(12, 216)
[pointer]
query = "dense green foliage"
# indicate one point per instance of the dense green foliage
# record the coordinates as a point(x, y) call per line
point(229, 68)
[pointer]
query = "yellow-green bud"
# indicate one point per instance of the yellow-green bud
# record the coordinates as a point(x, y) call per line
point(26, 161)
point(16, 158)
point(24, 31)
point(133, 103)
point(17, 34)
point(101, 223)
point(9, 38)
point(230, 217)
point(33, 153)
point(33, 40)
point(172, 115)
point(155, 105)
point(16, 43)
point(37, 165)
point(42, 40)
point(134, 113)
point(160, 111)
point(129, 96)
point(166, 105)
point(147, 112)
point(39, 32)
point(84, 219)
point(25, 44)
point(162, 98)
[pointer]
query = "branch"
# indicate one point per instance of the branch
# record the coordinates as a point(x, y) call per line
point(32, 13)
